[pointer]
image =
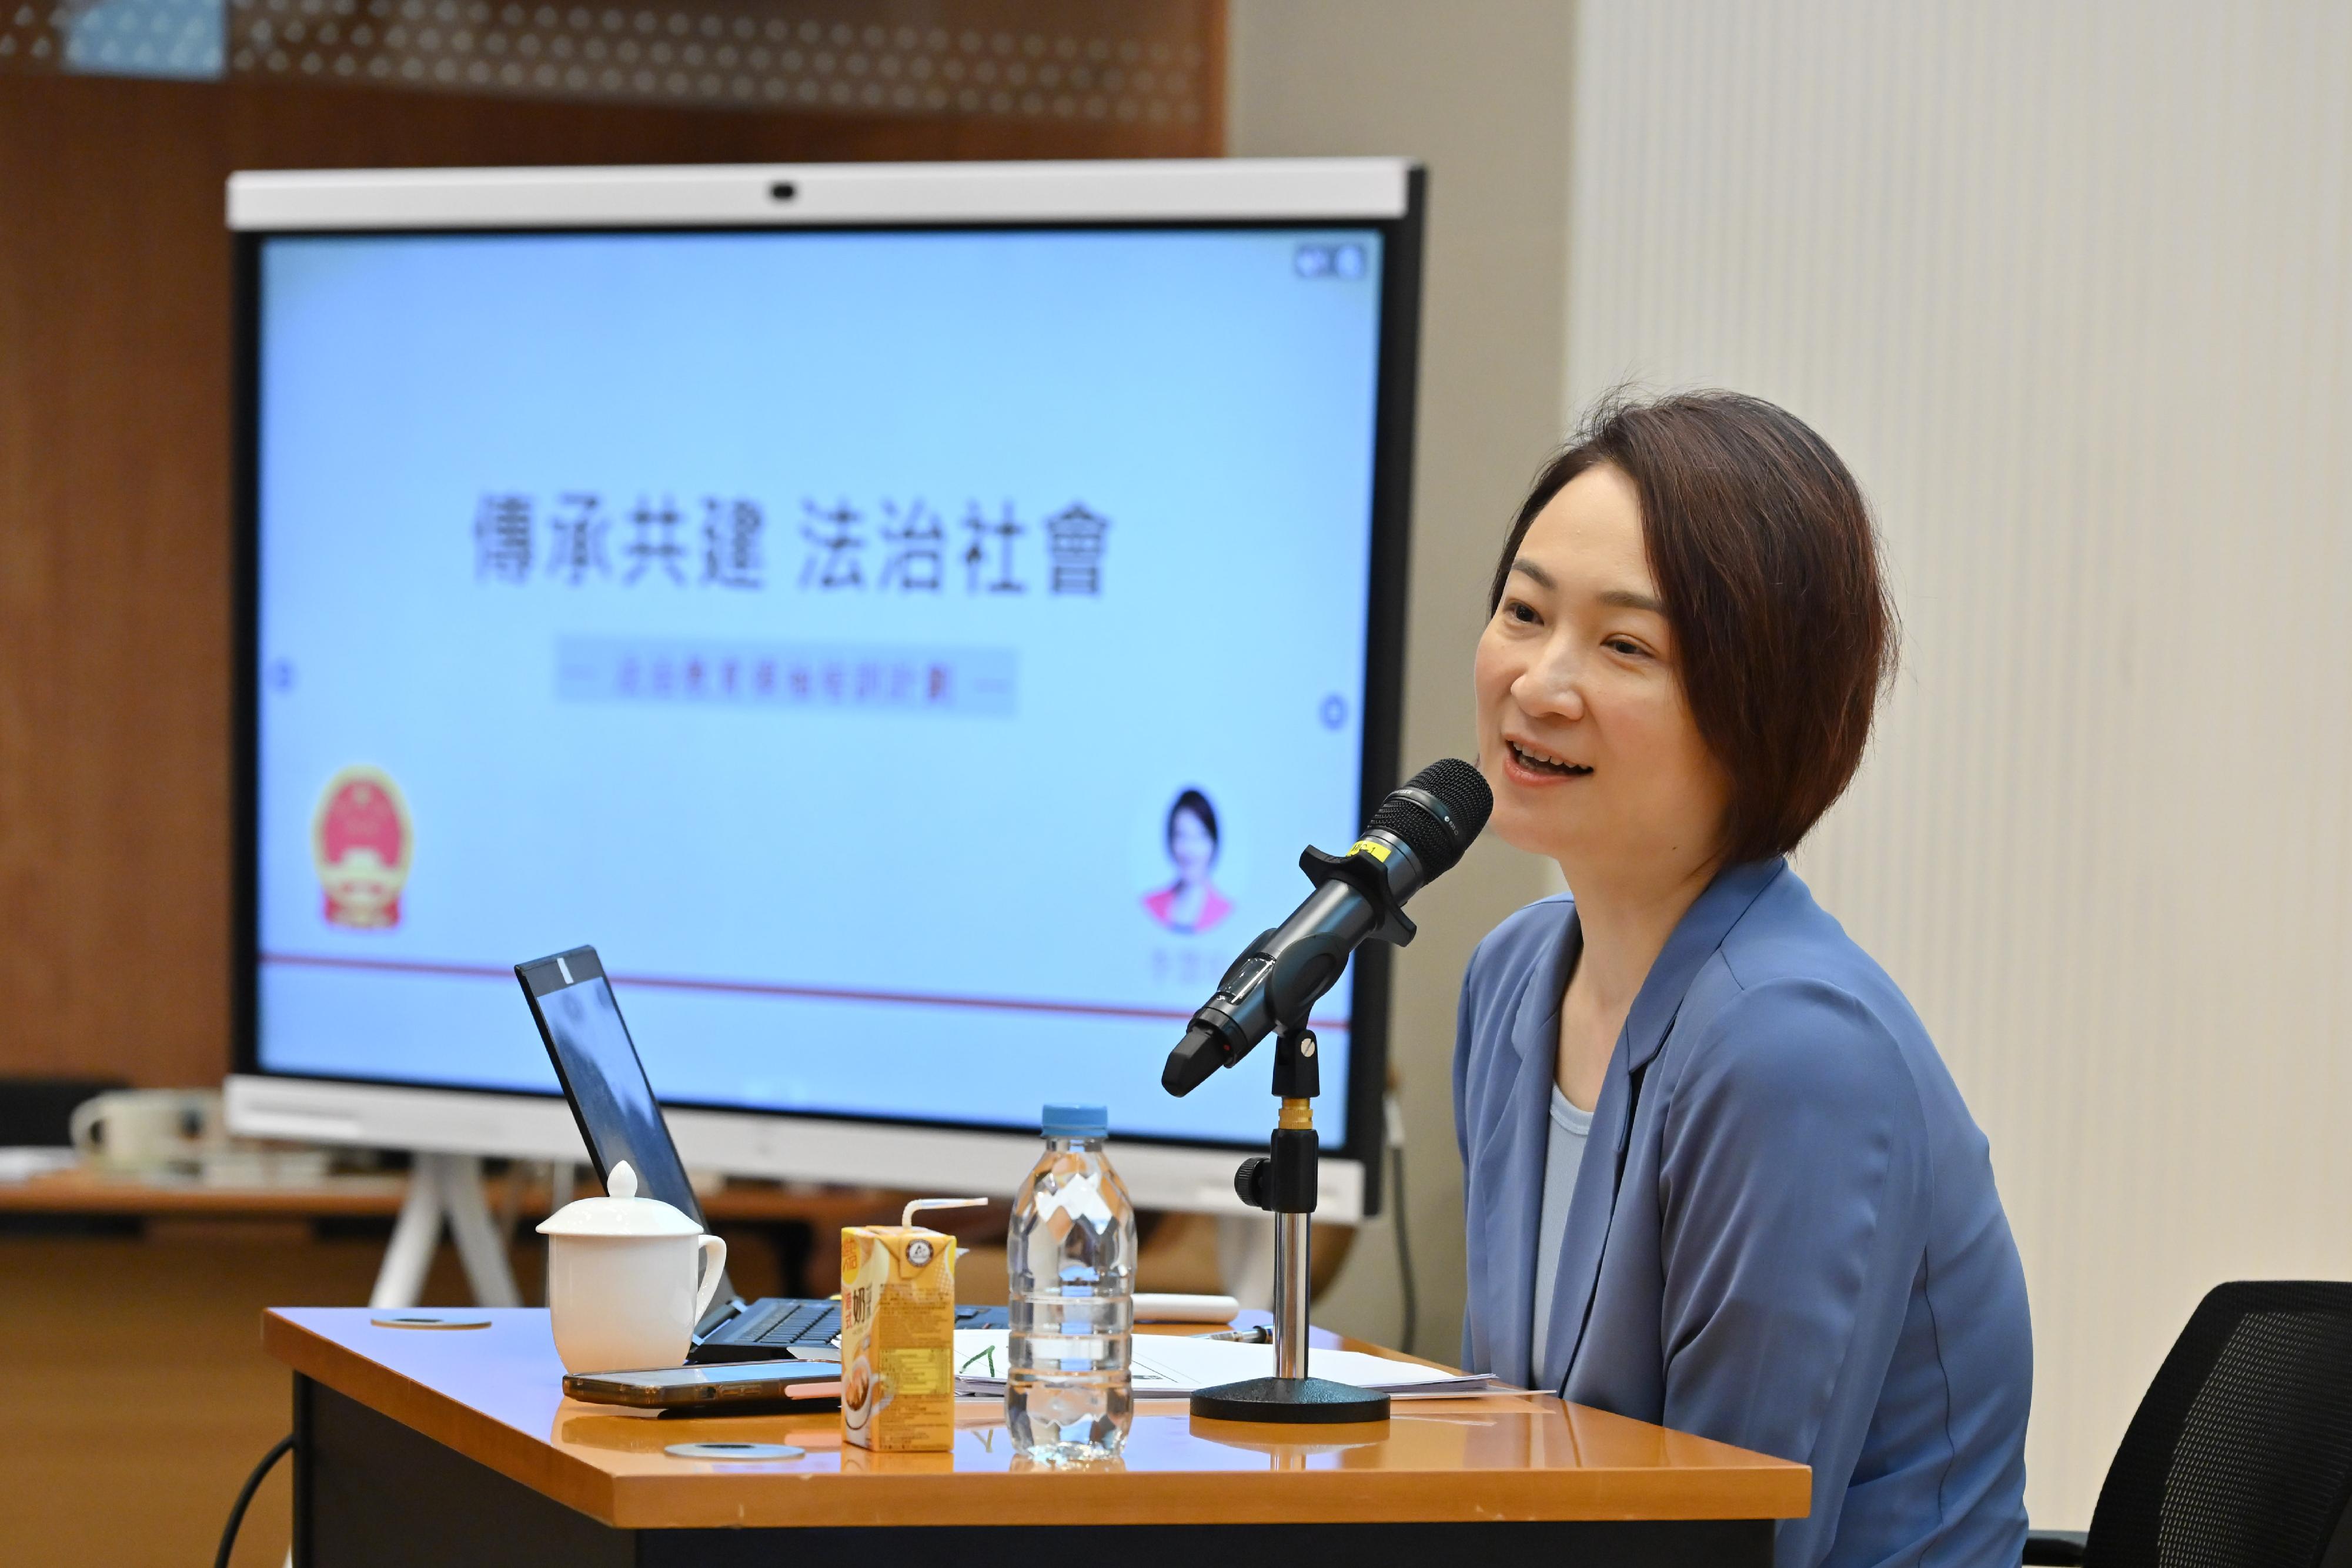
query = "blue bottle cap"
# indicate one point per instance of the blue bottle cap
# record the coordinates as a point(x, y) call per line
point(1078, 1122)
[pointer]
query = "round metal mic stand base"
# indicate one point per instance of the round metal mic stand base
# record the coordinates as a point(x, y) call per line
point(1293, 1399)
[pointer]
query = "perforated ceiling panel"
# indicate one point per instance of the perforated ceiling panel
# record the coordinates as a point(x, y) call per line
point(1140, 64)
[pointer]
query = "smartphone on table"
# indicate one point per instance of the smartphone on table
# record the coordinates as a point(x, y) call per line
point(804, 1385)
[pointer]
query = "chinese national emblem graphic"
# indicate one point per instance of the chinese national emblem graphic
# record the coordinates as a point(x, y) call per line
point(361, 842)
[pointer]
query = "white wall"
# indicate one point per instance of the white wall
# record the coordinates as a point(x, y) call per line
point(2067, 286)
point(1477, 89)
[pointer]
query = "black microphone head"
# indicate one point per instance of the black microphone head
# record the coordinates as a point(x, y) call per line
point(1438, 814)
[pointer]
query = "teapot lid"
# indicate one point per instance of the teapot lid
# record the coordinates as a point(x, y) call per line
point(620, 1213)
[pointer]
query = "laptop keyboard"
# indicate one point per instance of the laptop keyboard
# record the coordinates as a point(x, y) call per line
point(819, 1323)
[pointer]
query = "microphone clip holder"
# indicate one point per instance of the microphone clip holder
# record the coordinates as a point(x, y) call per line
point(1357, 873)
point(1284, 1181)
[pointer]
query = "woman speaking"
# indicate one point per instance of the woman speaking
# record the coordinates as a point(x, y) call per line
point(1716, 1175)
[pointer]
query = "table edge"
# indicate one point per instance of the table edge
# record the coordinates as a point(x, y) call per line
point(530, 1461)
point(1767, 1489)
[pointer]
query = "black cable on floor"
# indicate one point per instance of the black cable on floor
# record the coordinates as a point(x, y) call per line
point(244, 1499)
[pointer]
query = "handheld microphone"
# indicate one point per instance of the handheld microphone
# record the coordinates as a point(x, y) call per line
point(1417, 835)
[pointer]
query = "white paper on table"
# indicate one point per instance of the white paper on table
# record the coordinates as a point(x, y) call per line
point(1172, 1365)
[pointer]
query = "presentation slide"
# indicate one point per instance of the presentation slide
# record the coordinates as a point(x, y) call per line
point(913, 660)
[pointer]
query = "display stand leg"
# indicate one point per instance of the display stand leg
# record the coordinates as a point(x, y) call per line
point(480, 1246)
point(443, 1187)
point(414, 1235)
point(559, 1175)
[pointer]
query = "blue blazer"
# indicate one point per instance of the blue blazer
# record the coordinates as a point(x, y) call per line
point(1784, 1235)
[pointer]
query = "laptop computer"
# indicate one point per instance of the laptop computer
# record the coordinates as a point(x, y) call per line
point(604, 1083)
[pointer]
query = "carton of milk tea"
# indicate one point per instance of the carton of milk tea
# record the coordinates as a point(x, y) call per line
point(897, 1338)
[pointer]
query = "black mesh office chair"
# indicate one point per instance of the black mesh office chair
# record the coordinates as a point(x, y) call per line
point(2240, 1453)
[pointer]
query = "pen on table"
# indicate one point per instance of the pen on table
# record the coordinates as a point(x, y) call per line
point(1260, 1335)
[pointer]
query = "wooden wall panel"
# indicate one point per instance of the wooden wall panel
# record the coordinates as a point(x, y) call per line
point(115, 544)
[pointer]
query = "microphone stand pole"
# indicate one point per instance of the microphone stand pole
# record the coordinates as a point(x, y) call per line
point(1284, 1180)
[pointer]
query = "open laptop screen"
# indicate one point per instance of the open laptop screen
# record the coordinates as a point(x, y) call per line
point(619, 1119)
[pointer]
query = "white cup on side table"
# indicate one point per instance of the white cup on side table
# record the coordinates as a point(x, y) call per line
point(622, 1287)
point(147, 1132)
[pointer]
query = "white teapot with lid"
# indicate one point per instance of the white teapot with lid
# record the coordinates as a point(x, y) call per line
point(622, 1286)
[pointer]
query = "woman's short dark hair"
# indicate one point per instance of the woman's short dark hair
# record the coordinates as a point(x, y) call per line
point(1192, 801)
point(1764, 552)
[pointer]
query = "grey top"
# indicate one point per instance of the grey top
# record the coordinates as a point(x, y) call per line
point(1563, 1152)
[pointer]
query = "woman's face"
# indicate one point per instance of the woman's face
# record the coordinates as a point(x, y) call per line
point(1191, 846)
point(1582, 726)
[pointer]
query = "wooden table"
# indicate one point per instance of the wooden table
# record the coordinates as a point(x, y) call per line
point(81, 1191)
point(78, 1191)
point(456, 1447)
point(787, 1220)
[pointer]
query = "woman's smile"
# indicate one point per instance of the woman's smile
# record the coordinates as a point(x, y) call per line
point(1527, 763)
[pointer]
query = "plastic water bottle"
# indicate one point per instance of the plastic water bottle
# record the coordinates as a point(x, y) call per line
point(1070, 1266)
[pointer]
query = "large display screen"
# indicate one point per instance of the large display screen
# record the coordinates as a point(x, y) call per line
point(913, 659)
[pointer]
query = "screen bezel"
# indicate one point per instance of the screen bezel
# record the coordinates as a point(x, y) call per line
point(1396, 362)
